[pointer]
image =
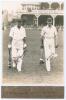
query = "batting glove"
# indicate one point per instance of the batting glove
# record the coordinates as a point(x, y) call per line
point(25, 46)
point(9, 46)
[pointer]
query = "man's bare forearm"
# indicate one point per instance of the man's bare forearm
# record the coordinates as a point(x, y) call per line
point(10, 40)
point(56, 41)
point(42, 45)
point(24, 40)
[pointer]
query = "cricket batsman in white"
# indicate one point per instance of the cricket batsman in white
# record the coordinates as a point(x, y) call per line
point(18, 44)
point(49, 42)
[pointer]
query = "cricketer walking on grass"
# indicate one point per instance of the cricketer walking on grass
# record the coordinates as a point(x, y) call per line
point(18, 43)
point(49, 42)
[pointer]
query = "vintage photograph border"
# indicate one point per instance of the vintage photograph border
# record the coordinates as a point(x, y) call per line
point(32, 92)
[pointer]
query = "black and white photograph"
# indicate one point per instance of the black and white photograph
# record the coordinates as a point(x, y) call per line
point(33, 44)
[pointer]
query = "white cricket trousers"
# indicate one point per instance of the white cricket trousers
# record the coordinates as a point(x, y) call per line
point(49, 47)
point(17, 56)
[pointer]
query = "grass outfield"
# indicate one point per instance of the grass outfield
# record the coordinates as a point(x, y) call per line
point(32, 71)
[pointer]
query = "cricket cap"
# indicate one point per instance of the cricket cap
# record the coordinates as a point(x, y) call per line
point(19, 21)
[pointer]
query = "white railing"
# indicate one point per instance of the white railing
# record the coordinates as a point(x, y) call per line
point(42, 12)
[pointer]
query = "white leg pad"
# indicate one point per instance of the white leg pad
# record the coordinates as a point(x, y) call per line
point(19, 64)
point(48, 65)
point(14, 64)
